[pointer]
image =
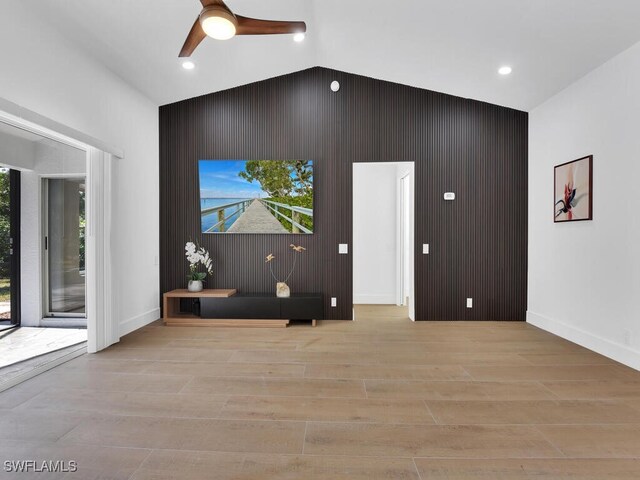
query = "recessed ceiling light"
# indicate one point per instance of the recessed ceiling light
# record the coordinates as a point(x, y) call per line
point(188, 65)
point(505, 70)
point(298, 37)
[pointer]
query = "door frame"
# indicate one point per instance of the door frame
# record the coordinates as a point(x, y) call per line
point(402, 228)
point(102, 320)
point(401, 178)
point(405, 230)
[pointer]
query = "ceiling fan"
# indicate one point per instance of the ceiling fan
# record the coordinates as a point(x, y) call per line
point(216, 20)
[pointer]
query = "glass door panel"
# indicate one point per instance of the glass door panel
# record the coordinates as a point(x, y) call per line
point(65, 246)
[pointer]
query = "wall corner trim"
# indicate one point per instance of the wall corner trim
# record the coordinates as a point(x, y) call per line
point(139, 321)
point(615, 351)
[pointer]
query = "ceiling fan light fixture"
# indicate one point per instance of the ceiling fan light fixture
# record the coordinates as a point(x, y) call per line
point(218, 23)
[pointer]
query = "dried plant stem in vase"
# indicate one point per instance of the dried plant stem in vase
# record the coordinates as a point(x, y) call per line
point(282, 289)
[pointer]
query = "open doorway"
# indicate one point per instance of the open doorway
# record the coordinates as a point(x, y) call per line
point(383, 240)
point(81, 288)
point(42, 204)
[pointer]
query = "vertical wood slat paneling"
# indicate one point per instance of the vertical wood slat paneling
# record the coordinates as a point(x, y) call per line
point(479, 151)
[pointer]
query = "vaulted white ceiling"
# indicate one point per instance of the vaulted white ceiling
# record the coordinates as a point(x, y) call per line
point(452, 46)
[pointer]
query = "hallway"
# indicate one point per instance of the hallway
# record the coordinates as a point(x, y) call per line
point(381, 312)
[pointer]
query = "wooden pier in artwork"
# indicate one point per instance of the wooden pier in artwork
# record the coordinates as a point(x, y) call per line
point(258, 216)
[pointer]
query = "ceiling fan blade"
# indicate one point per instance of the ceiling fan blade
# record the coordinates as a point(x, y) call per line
point(196, 35)
point(255, 26)
point(208, 3)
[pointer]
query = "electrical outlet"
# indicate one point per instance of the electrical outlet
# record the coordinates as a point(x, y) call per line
point(627, 337)
point(469, 302)
point(334, 302)
point(343, 249)
point(425, 249)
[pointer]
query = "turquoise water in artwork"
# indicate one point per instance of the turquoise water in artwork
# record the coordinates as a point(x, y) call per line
point(210, 220)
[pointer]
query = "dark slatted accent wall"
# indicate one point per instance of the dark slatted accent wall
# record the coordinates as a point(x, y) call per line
point(479, 151)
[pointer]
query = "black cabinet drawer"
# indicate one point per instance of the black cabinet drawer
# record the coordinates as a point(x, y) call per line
point(302, 308)
point(240, 307)
point(264, 306)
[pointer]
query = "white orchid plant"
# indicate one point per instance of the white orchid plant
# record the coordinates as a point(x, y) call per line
point(198, 256)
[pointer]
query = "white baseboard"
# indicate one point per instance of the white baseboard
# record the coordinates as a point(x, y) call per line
point(139, 321)
point(374, 299)
point(616, 351)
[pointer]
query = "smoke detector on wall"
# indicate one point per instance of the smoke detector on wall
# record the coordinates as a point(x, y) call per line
point(335, 86)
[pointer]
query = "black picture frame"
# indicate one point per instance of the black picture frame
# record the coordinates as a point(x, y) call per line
point(560, 203)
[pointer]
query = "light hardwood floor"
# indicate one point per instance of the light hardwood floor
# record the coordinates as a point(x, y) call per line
point(378, 398)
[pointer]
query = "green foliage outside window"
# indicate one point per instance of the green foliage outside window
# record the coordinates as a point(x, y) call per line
point(5, 224)
point(83, 230)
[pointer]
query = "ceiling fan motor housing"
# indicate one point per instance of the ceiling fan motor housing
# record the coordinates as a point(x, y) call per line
point(218, 13)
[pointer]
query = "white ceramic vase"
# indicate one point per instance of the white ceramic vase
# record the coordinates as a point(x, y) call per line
point(195, 285)
point(282, 290)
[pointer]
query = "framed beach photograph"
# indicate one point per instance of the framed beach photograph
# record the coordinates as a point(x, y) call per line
point(573, 190)
point(256, 196)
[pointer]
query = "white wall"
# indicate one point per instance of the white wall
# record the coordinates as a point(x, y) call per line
point(17, 153)
point(584, 277)
point(53, 158)
point(30, 249)
point(47, 74)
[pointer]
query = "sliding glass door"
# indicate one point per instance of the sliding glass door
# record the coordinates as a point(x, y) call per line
point(9, 248)
point(64, 243)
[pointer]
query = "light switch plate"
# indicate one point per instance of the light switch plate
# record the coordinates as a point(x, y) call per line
point(425, 249)
point(334, 302)
point(343, 249)
point(469, 302)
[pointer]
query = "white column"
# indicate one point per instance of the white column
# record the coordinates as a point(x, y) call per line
point(101, 318)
